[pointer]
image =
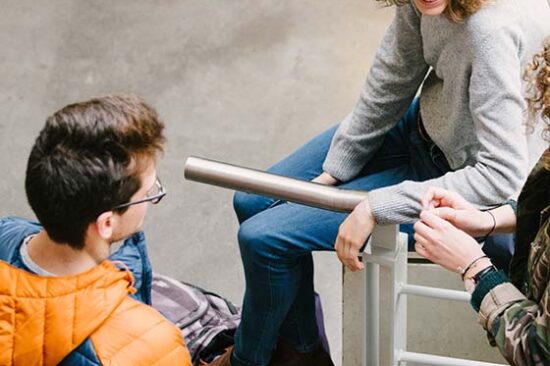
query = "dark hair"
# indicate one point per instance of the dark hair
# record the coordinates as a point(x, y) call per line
point(87, 159)
point(457, 10)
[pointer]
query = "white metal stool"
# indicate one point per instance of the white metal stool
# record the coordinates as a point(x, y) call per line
point(361, 342)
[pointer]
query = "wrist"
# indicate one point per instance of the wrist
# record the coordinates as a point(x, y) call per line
point(472, 277)
point(477, 267)
point(471, 265)
point(327, 179)
point(491, 224)
point(469, 285)
point(368, 211)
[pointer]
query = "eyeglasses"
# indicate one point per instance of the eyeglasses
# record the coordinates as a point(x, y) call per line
point(154, 196)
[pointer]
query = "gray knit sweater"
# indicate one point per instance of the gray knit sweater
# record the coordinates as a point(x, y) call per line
point(471, 102)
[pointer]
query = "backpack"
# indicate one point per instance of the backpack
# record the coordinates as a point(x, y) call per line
point(207, 320)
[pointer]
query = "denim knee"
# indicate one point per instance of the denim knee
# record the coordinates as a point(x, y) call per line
point(262, 241)
point(244, 205)
point(251, 242)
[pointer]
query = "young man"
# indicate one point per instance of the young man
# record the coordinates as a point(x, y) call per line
point(63, 298)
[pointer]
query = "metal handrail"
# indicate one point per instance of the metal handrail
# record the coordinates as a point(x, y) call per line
point(272, 185)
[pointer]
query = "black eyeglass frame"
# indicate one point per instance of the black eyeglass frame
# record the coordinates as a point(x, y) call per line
point(154, 199)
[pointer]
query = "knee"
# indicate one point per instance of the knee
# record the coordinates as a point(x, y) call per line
point(250, 237)
point(243, 206)
point(259, 239)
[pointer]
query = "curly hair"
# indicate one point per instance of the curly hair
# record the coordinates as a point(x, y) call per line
point(457, 10)
point(537, 75)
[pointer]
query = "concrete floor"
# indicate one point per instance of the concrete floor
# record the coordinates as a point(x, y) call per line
point(245, 81)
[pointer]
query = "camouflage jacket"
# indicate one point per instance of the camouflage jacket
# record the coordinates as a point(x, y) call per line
point(516, 312)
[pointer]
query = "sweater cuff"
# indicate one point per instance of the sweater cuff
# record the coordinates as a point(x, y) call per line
point(487, 283)
point(393, 205)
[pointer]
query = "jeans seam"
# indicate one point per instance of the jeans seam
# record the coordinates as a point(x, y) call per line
point(295, 321)
point(270, 309)
point(263, 328)
point(303, 347)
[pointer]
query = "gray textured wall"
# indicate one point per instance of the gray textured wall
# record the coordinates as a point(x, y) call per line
point(244, 81)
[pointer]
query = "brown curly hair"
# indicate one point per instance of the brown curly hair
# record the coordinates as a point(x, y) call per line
point(537, 75)
point(456, 10)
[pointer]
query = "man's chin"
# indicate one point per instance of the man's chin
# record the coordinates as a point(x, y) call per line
point(124, 233)
point(123, 236)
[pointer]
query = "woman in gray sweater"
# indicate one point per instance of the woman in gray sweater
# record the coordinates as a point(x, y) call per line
point(463, 133)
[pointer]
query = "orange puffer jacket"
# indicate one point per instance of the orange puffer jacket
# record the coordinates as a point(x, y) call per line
point(43, 319)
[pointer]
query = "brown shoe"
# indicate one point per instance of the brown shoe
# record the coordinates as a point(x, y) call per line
point(286, 355)
point(223, 360)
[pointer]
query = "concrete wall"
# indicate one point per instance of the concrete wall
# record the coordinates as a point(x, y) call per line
point(245, 81)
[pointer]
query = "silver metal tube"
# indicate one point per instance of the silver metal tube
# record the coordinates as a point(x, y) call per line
point(434, 292)
point(272, 185)
point(427, 359)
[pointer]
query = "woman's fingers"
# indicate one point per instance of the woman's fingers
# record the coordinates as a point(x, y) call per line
point(348, 253)
point(421, 250)
point(424, 230)
point(440, 197)
point(434, 221)
point(428, 201)
point(436, 197)
point(446, 213)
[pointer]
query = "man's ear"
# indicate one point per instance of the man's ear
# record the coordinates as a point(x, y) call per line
point(105, 225)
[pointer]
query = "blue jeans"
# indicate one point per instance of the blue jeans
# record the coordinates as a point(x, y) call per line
point(276, 238)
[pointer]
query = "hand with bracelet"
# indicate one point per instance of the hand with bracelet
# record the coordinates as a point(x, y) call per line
point(453, 249)
point(444, 233)
point(455, 209)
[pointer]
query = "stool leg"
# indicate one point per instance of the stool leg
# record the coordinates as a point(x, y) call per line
point(353, 315)
point(398, 321)
point(372, 314)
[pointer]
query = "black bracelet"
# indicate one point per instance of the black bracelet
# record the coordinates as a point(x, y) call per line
point(493, 228)
point(464, 270)
point(484, 272)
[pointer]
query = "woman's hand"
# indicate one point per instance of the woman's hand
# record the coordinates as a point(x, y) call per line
point(442, 243)
point(353, 234)
point(454, 208)
point(326, 179)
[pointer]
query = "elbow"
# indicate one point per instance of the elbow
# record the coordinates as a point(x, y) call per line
point(507, 181)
